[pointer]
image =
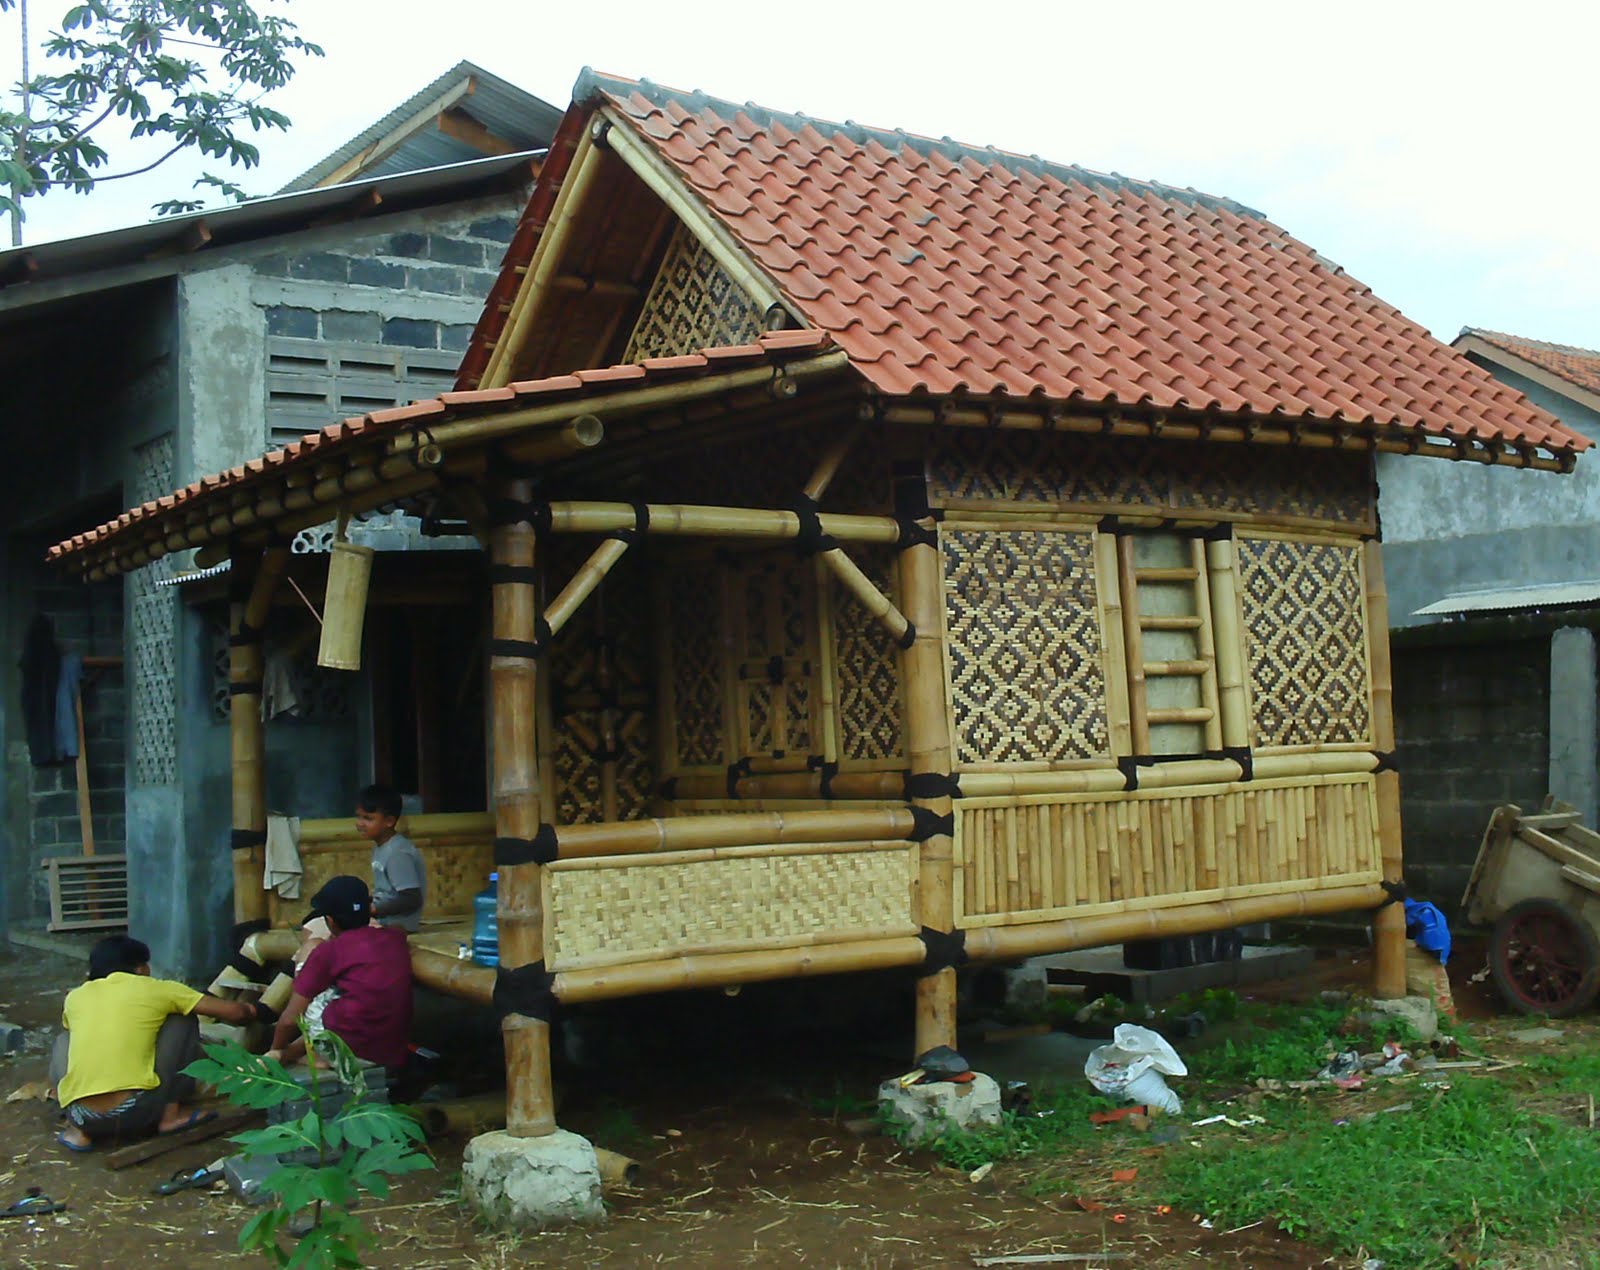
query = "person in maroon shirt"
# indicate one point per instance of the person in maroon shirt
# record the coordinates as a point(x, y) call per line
point(356, 985)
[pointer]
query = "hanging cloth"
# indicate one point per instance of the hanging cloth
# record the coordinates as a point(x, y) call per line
point(69, 683)
point(283, 867)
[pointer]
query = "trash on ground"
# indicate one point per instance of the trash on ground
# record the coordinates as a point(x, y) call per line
point(1124, 1175)
point(1343, 1066)
point(30, 1091)
point(1121, 1113)
point(981, 1172)
point(1133, 1068)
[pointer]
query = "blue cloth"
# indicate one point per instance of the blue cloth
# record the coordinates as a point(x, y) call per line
point(67, 705)
point(1426, 924)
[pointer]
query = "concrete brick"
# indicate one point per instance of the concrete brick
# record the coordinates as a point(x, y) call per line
point(320, 266)
point(411, 333)
point(440, 279)
point(272, 266)
point(298, 323)
point(341, 324)
point(480, 282)
point(49, 805)
point(454, 251)
point(455, 337)
point(377, 273)
point(498, 228)
point(413, 245)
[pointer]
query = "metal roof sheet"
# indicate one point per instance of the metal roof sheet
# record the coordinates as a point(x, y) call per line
point(1508, 599)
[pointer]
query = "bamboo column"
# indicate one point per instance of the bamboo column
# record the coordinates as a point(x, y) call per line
point(513, 679)
point(247, 615)
point(928, 751)
point(1389, 922)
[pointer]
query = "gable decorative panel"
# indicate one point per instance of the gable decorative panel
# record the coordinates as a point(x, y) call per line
point(152, 643)
point(1022, 619)
point(693, 304)
point(1304, 616)
point(1005, 466)
point(866, 668)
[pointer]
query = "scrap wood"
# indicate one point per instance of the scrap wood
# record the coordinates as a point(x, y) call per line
point(1047, 1258)
point(161, 1143)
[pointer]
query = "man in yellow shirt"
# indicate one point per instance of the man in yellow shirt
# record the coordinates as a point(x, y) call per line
point(118, 1068)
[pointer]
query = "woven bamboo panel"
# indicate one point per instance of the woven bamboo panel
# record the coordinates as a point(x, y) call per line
point(695, 614)
point(456, 871)
point(769, 468)
point(866, 667)
point(1305, 630)
point(612, 623)
point(1074, 855)
point(642, 908)
point(1022, 620)
point(990, 467)
point(693, 304)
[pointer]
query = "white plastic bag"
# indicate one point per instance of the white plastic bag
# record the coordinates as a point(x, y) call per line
point(1132, 1068)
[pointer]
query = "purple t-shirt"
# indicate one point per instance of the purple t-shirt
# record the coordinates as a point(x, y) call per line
point(371, 967)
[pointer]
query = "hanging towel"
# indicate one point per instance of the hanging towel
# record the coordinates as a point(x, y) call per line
point(278, 695)
point(68, 684)
point(1426, 924)
point(283, 869)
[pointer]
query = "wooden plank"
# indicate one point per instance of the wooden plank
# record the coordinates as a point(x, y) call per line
point(1550, 820)
point(1578, 877)
point(161, 1143)
point(1557, 850)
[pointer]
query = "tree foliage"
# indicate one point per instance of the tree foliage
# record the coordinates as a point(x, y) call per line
point(186, 74)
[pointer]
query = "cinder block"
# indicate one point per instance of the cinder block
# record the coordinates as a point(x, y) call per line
point(245, 1176)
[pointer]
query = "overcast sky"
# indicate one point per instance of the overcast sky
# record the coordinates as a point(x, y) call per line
point(1444, 154)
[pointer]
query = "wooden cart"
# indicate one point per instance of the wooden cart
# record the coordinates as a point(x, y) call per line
point(1537, 881)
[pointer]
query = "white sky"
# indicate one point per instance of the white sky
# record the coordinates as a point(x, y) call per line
point(1443, 153)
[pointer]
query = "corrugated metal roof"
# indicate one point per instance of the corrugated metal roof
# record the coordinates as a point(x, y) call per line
point(509, 112)
point(23, 269)
point(1508, 599)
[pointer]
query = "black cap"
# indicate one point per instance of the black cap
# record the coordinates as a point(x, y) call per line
point(344, 900)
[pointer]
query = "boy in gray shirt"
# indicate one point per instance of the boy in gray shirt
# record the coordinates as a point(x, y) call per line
point(399, 883)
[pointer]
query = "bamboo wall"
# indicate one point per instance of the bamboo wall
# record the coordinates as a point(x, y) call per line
point(1046, 856)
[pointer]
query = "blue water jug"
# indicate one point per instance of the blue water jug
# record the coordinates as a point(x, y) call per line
point(485, 927)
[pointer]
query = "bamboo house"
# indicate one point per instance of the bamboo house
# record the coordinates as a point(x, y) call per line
point(900, 554)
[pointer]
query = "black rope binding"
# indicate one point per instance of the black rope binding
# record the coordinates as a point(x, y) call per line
point(528, 649)
point(249, 688)
point(243, 930)
point(737, 772)
point(524, 991)
point(1388, 761)
point(1128, 765)
point(942, 951)
point(511, 511)
point(245, 839)
point(910, 636)
point(1241, 755)
point(932, 785)
point(251, 970)
point(519, 574)
point(1395, 892)
point(811, 539)
point(925, 824)
point(539, 849)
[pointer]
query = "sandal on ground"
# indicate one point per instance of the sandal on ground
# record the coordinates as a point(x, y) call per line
point(195, 1119)
point(35, 1203)
point(72, 1146)
point(189, 1179)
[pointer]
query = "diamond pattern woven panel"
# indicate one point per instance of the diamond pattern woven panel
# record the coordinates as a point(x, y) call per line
point(1001, 467)
point(1305, 623)
point(744, 898)
point(1023, 624)
point(866, 668)
point(152, 642)
point(693, 304)
point(695, 612)
point(1083, 854)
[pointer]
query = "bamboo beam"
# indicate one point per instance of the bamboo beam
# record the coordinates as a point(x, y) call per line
point(1004, 943)
point(1311, 435)
point(712, 970)
point(530, 1105)
point(928, 751)
point(605, 673)
point(693, 521)
point(583, 433)
point(1389, 922)
point(583, 583)
point(861, 587)
point(743, 829)
point(247, 616)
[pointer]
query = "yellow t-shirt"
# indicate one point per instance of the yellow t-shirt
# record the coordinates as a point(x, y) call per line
point(113, 1024)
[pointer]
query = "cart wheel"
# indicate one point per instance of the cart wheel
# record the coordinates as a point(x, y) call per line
point(1543, 960)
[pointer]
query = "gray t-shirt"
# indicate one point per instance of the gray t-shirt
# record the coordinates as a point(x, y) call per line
point(396, 867)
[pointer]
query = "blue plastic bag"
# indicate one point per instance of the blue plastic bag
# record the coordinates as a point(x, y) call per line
point(1426, 924)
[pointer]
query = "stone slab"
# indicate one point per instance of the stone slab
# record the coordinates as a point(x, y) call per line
point(1419, 1012)
point(244, 1176)
point(1100, 971)
point(923, 1112)
point(532, 1183)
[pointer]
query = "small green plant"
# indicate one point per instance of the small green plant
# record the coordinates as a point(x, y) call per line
point(358, 1148)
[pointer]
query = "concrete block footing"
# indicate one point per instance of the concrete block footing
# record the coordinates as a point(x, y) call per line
point(1419, 1012)
point(532, 1182)
point(923, 1112)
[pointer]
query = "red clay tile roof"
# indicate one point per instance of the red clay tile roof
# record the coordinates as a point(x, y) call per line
point(1578, 366)
point(943, 269)
point(776, 348)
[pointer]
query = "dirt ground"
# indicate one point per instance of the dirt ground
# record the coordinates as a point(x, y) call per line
point(739, 1122)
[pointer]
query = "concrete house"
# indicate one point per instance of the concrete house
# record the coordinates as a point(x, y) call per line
point(138, 360)
point(1494, 579)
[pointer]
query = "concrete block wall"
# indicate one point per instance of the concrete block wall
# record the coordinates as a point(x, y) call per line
point(1472, 727)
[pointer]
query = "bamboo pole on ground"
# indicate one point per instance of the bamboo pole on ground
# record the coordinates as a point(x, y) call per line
point(927, 730)
point(1389, 923)
point(530, 1107)
point(247, 615)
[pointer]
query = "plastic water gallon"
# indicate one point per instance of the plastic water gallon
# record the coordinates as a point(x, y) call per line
point(485, 929)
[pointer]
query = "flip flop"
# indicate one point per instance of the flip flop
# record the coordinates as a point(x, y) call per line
point(34, 1203)
point(73, 1146)
point(188, 1179)
point(195, 1118)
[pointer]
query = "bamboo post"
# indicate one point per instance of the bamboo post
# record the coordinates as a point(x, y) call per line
point(1133, 645)
point(513, 675)
point(247, 615)
point(927, 729)
point(1389, 922)
point(1208, 648)
point(1233, 706)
